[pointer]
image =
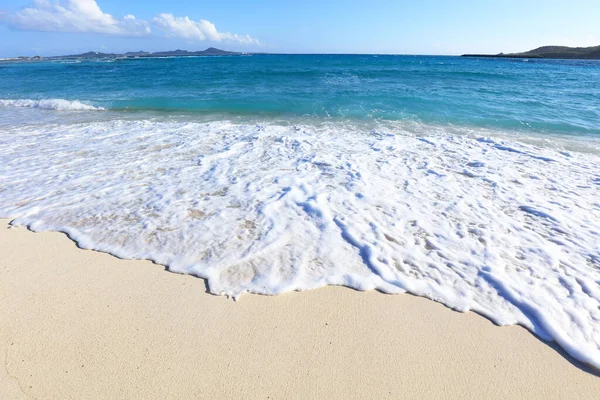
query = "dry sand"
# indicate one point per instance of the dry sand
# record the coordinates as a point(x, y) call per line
point(81, 324)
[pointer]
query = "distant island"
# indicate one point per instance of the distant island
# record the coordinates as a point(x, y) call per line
point(545, 52)
point(555, 52)
point(211, 51)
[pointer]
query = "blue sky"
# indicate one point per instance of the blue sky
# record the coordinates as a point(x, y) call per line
point(54, 27)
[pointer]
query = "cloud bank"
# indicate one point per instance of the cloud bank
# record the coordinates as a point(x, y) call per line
point(85, 16)
point(201, 30)
point(74, 16)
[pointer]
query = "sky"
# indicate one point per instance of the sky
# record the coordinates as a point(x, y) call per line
point(58, 27)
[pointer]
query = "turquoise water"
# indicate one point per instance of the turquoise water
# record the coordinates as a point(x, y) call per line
point(472, 182)
point(546, 96)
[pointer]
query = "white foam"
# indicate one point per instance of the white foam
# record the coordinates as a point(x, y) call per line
point(505, 228)
point(50, 104)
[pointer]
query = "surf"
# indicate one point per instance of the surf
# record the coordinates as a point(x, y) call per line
point(469, 218)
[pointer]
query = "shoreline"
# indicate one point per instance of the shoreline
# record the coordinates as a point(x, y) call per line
point(79, 323)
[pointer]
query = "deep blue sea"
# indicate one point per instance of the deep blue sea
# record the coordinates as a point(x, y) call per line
point(472, 182)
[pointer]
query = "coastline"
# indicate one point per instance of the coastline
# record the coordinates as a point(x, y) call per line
point(79, 324)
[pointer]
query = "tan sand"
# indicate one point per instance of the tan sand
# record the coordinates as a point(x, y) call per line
point(81, 324)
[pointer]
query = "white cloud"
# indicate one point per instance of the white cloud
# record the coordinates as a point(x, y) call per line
point(86, 16)
point(186, 28)
point(74, 16)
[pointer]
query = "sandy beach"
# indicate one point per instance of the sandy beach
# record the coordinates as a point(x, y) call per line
point(82, 324)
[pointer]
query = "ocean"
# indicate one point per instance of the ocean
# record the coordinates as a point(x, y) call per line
point(472, 182)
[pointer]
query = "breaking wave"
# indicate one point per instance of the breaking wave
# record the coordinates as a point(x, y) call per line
point(51, 104)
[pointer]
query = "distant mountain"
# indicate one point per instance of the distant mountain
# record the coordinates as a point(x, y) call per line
point(89, 54)
point(136, 53)
point(211, 51)
point(217, 52)
point(556, 52)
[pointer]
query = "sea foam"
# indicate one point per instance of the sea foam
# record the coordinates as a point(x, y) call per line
point(508, 229)
point(50, 104)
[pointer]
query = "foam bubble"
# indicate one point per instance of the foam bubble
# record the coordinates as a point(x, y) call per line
point(478, 222)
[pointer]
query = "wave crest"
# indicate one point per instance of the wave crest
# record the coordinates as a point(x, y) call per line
point(51, 104)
